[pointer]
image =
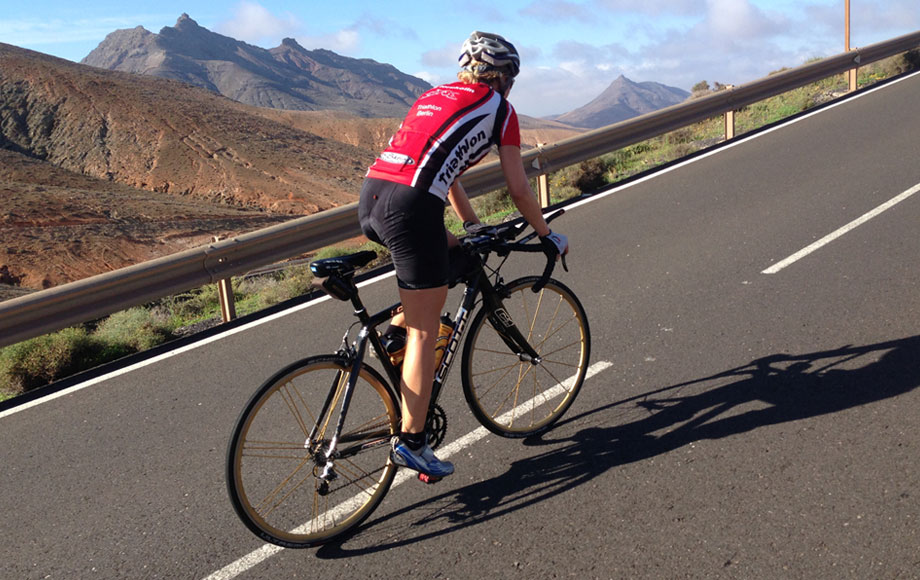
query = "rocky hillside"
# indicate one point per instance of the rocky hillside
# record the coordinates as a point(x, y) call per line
point(101, 169)
point(286, 77)
point(623, 99)
point(58, 226)
point(168, 136)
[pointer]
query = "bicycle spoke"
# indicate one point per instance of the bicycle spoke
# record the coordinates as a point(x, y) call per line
point(554, 326)
point(288, 398)
point(273, 460)
point(359, 477)
point(268, 504)
point(272, 449)
point(514, 390)
point(485, 391)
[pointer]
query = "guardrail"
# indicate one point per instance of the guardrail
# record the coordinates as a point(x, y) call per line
point(56, 308)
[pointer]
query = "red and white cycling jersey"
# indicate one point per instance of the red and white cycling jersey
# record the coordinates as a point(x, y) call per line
point(447, 130)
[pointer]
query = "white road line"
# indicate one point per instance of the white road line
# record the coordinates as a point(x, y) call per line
point(836, 234)
point(265, 552)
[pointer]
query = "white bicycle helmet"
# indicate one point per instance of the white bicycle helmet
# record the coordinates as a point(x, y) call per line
point(492, 52)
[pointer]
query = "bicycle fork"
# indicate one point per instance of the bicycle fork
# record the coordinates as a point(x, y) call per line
point(505, 327)
point(328, 461)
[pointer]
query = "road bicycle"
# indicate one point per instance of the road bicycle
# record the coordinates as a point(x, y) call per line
point(308, 460)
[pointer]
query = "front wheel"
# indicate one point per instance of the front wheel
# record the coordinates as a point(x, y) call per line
point(276, 461)
point(510, 395)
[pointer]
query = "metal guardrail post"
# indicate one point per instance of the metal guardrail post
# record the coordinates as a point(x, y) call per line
point(227, 303)
point(225, 295)
point(729, 125)
point(541, 164)
point(543, 193)
point(852, 76)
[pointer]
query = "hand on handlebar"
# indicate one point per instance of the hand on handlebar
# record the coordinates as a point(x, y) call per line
point(555, 243)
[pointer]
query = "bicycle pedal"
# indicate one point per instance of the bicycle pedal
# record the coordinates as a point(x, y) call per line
point(429, 479)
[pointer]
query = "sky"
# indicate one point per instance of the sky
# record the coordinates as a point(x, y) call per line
point(571, 50)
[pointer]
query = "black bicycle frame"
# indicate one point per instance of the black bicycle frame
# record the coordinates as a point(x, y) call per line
point(478, 284)
point(501, 321)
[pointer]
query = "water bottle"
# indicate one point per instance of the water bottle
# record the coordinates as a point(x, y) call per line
point(447, 326)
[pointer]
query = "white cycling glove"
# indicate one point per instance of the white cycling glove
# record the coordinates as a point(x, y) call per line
point(555, 242)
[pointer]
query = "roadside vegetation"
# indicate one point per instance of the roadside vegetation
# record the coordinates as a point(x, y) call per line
point(40, 361)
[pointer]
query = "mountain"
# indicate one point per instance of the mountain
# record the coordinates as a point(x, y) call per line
point(167, 136)
point(623, 99)
point(100, 169)
point(286, 77)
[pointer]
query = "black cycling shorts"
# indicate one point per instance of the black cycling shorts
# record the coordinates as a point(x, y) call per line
point(410, 223)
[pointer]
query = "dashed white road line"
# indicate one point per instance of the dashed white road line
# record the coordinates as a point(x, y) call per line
point(836, 234)
point(266, 551)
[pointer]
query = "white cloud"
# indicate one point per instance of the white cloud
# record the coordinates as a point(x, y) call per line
point(444, 57)
point(255, 24)
point(736, 19)
point(346, 42)
point(433, 79)
point(558, 10)
point(875, 21)
point(652, 7)
point(549, 91)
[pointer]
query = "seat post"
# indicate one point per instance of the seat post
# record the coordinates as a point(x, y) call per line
point(360, 310)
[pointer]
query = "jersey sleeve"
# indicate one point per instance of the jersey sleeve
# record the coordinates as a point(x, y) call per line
point(511, 129)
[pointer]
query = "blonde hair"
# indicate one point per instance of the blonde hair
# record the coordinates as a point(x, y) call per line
point(471, 75)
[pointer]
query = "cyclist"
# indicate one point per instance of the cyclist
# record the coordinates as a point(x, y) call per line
point(447, 130)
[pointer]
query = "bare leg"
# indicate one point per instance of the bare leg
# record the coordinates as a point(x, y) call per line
point(422, 309)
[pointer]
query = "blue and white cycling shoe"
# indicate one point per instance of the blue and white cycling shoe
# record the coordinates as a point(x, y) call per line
point(422, 460)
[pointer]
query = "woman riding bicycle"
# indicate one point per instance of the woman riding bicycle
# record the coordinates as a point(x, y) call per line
point(447, 130)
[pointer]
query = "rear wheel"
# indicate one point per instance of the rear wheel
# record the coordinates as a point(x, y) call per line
point(276, 458)
point(514, 397)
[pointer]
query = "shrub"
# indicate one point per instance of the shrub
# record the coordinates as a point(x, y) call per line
point(39, 361)
point(193, 306)
point(332, 252)
point(592, 175)
point(266, 291)
point(699, 89)
point(492, 203)
point(135, 330)
point(898, 64)
point(296, 282)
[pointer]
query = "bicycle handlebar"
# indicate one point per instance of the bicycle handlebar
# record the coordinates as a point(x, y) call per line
point(483, 238)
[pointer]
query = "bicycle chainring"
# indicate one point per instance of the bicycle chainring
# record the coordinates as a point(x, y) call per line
point(436, 426)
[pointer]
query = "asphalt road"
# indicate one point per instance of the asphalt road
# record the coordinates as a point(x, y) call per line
point(749, 425)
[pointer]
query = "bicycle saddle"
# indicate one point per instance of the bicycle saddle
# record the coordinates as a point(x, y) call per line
point(342, 265)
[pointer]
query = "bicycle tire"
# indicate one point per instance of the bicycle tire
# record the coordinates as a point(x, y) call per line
point(514, 398)
point(273, 465)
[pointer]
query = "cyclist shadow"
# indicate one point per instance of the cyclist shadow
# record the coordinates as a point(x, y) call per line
point(775, 389)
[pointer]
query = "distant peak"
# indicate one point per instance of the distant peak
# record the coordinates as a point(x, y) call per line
point(291, 43)
point(185, 21)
